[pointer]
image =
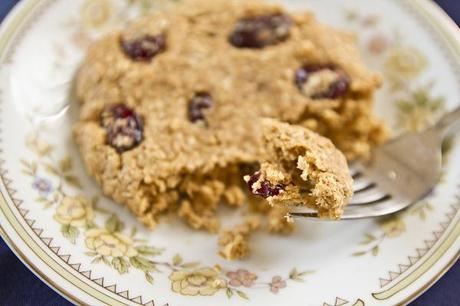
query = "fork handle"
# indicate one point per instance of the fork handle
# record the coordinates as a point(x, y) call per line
point(449, 123)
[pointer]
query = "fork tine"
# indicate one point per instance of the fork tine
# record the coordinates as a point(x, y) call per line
point(353, 171)
point(381, 207)
point(363, 187)
point(306, 215)
point(360, 184)
point(355, 175)
point(367, 195)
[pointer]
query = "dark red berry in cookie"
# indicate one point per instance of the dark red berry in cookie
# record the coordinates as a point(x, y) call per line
point(261, 31)
point(123, 125)
point(144, 48)
point(197, 105)
point(322, 81)
point(266, 189)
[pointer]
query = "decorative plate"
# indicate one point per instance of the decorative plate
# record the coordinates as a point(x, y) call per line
point(93, 251)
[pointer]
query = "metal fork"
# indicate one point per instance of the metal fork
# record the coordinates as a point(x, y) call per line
point(399, 173)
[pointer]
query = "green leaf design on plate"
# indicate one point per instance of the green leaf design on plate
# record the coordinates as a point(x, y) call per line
point(70, 232)
point(90, 224)
point(297, 276)
point(51, 169)
point(41, 200)
point(65, 164)
point(305, 273)
point(375, 250)
point(189, 265)
point(29, 168)
point(368, 238)
point(149, 278)
point(229, 292)
point(421, 210)
point(120, 264)
point(149, 251)
point(113, 224)
point(73, 181)
point(106, 261)
point(96, 260)
point(419, 109)
point(242, 294)
point(177, 260)
point(142, 263)
point(46, 203)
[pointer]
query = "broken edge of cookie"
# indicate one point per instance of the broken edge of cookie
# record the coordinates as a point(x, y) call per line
point(301, 168)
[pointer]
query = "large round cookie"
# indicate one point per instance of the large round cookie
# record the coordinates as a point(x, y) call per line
point(170, 106)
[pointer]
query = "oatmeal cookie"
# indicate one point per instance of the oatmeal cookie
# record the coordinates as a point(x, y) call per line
point(170, 104)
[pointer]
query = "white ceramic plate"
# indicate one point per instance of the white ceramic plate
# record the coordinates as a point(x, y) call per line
point(93, 251)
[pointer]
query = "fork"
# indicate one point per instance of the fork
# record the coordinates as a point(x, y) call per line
point(399, 173)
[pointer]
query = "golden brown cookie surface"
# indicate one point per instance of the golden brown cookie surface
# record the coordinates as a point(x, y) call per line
point(170, 105)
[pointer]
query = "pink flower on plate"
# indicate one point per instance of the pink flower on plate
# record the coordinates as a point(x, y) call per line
point(277, 283)
point(377, 44)
point(241, 277)
point(370, 20)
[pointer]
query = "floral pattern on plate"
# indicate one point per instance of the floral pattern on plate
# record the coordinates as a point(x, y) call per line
point(110, 245)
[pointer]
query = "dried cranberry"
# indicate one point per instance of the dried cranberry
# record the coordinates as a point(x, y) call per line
point(197, 105)
point(144, 48)
point(266, 188)
point(123, 125)
point(261, 31)
point(334, 86)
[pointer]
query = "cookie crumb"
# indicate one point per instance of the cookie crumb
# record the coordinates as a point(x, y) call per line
point(234, 243)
